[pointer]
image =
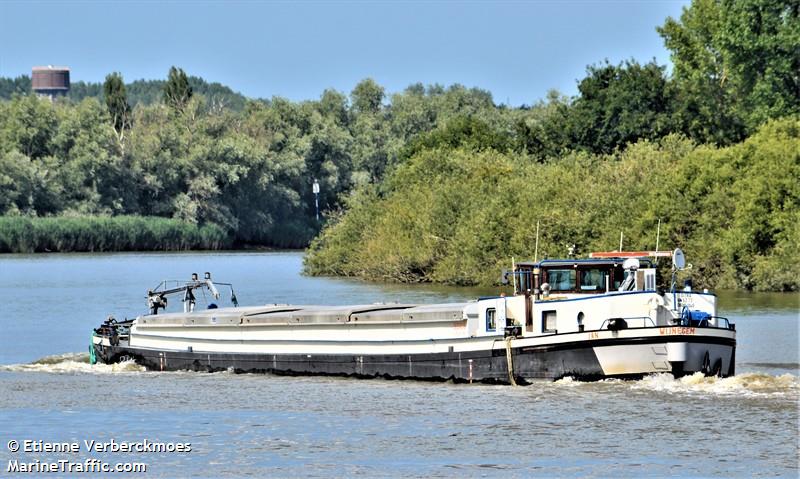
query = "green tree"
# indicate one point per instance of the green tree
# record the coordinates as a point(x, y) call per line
point(619, 104)
point(736, 65)
point(89, 163)
point(28, 125)
point(334, 105)
point(412, 112)
point(20, 85)
point(370, 150)
point(145, 92)
point(80, 89)
point(117, 102)
point(177, 91)
point(761, 41)
point(462, 131)
point(367, 96)
point(541, 130)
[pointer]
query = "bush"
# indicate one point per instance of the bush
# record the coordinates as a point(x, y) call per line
point(458, 216)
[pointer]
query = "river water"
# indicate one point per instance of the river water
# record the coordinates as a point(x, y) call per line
point(261, 425)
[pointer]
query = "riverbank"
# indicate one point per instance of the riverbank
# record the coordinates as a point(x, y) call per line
point(100, 234)
point(460, 215)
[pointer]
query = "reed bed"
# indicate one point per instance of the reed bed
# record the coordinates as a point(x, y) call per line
point(97, 234)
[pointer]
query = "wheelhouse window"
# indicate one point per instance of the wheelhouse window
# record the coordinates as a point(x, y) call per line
point(491, 319)
point(593, 280)
point(548, 321)
point(524, 277)
point(619, 277)
point(561, 279)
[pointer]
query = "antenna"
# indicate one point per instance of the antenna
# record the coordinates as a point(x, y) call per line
point(658, 234)
point(514, 274)
point(620, 241)
point(536, 250)
point(678, 262)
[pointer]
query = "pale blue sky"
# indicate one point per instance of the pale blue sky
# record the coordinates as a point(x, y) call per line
point(515, 49)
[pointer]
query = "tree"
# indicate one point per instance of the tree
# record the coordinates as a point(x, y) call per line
point(620, 104)
point(334, 104)
point(20, 85)
point(367, 96)
point(370, 148)
point(463, 131)
point(736, 65)
point(540, 130)
point(90, 168)
point(28, 124)
point(80, 89)
point(177, 91)
point(761, 42)
point(117, 102)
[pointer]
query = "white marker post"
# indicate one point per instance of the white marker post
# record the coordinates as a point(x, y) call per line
point(315, 189)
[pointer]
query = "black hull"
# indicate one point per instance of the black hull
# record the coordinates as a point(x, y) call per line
point(578, 361)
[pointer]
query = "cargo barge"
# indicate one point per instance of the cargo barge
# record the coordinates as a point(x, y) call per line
point(590, 319)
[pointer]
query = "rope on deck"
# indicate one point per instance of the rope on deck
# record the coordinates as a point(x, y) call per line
point(510, 362)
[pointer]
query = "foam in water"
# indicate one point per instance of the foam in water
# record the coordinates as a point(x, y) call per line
point(73, 363)
point(746, 384)
point(752, 384)
point(567, 381)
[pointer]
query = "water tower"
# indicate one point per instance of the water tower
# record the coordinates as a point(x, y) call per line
point(50, 81)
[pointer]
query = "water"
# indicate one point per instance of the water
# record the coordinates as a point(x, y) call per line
point(253, 425)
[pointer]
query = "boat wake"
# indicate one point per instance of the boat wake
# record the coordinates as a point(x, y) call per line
point(746, 384)
point(70, 363)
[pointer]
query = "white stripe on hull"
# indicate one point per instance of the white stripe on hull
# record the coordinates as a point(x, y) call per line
point(618, 359)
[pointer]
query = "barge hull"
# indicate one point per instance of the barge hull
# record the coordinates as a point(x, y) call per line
point(592, 360)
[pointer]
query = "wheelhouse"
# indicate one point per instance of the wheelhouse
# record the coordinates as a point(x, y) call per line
point(583, 276)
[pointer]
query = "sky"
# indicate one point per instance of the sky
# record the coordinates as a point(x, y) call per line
point(518, 50)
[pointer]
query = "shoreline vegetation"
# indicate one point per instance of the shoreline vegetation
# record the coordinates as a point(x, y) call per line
point(734, 210)
point(105, 234)
point(435, 183)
